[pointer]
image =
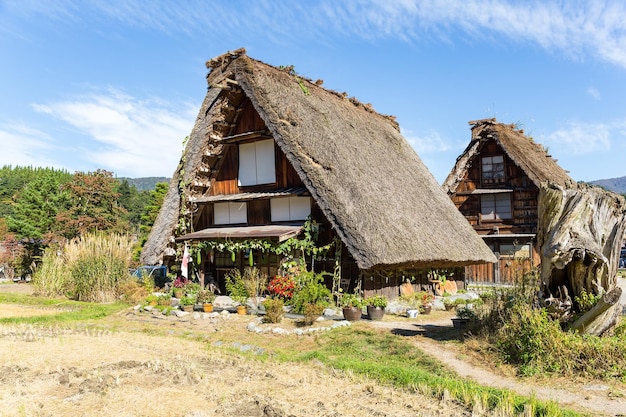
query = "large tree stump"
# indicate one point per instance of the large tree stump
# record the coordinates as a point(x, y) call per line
point(580, 234)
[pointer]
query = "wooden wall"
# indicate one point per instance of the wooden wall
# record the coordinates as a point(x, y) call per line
point(523, 199)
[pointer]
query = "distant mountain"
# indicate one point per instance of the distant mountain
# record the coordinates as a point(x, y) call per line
point(145, 183)
point(617, 185)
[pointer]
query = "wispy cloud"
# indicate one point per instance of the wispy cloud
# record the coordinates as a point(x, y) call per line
point(593, 92)
point(578, 29)
point(430, 142)
point(581, 138)
point(23, 146)
point(128, 136)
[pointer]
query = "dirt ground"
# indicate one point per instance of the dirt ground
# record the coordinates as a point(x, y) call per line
point(115, 370)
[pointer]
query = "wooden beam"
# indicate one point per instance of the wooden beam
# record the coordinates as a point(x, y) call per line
point(242, 137)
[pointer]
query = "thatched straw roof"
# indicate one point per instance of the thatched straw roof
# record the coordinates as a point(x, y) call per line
point(531, 157)
point(384, 204)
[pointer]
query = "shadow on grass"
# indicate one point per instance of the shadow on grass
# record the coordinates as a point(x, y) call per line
point(431, 331)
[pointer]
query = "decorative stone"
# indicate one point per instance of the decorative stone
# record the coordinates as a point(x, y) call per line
point(223, 301)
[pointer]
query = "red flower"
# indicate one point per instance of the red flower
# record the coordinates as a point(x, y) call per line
point(282, 286)
point(180, 282)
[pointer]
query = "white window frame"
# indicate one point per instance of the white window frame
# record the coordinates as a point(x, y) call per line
point(496, 207)
point(257, 163)
point(230, 212)
point(290, 208)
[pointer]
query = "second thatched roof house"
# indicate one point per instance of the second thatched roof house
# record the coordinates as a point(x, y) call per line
point(495, 184)
point(271, 149)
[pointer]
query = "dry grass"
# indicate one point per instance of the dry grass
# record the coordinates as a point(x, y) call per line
point(103, 373)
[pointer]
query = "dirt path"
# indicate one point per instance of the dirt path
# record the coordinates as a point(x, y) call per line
point(597, 398)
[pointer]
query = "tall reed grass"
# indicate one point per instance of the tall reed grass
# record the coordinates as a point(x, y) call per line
point(91, 268)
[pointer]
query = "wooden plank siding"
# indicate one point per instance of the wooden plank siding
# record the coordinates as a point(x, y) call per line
point(524, 214)
point(506, 271)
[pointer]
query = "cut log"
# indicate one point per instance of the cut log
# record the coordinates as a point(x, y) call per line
point(602, 316)
point(579, 237)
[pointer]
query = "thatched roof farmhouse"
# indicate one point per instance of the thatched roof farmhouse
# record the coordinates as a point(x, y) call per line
point(270, 148)
point(495, 184)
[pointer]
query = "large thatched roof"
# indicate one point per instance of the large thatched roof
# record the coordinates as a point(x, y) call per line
point(531, 157)
point(370, 184)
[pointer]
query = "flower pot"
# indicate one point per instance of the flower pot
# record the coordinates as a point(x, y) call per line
point(243, 310)
point(412, 313)
point(427, 308)
point(178, 293)
point(208, 307)
point(352, 313)
point(188, 308)
point(375, 313)
point(458, 323)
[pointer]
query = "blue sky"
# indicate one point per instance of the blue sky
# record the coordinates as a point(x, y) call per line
point(117, 84)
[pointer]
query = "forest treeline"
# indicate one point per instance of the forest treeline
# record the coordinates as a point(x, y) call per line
point(42, 207)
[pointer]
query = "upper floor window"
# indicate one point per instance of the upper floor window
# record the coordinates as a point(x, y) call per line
point(493, 169)
point(495, 206)
point(256, 163)
point(290, 208)
point(230, 212)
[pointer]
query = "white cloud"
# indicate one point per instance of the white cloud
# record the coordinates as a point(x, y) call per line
point(130, 137)
point(593, 92)
point(576, 28)
point(24, 146)
point(582, 138)
point(429, 143)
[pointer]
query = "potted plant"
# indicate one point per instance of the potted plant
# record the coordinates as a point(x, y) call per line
point(152, 300)
point(178, 286)
point(464, 315)
point(352, 306)
point(376, 306)
point(236, 287)
point(205, 299)
point(186, 303)
point(426, 302)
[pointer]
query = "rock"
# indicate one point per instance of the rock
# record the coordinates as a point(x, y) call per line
point(331, 312)
point(251, 326)
point(223, 301)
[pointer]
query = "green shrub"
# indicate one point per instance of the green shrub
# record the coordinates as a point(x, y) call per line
point(351, 300)
point(310, 289)
point(311, 312)
point(377, 301)
point(236, 286)
point(274, 310)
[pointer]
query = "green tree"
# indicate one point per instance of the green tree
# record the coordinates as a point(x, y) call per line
point(133, 201)
point(93, 205)
point(37, 205)
point(14, 179)
point(150, 211)
point(152, 208)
